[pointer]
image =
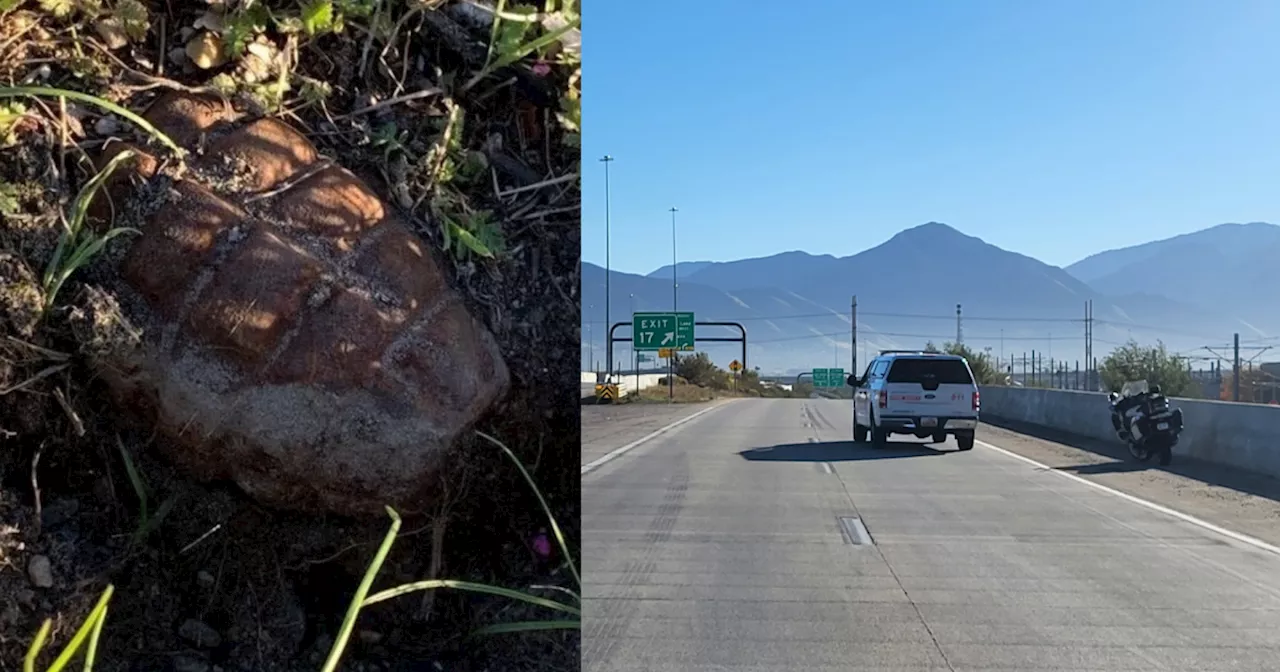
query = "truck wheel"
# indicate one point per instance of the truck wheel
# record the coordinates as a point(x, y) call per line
point(878, 436)
point(940, 437)
point(965, 440)
point(859, 433)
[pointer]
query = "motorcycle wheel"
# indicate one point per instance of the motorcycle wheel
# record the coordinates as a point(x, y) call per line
point(1138, 452)
point(1166, 455)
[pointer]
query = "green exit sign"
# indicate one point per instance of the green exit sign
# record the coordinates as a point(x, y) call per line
point(657, 331)
point(829, 378)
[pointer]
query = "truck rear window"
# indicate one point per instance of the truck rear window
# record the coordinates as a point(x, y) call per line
point(923, 370)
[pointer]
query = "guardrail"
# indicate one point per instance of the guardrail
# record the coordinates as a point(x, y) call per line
point(1246, 436)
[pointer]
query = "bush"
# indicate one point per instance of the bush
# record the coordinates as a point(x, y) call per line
point(1153, 364)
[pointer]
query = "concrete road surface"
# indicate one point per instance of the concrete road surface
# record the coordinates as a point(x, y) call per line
point(718, 545)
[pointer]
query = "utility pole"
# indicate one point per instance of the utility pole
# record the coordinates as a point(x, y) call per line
point(606, 160)
point(959, 329)
point(1235, 371)
point(853, 314)
point(675, 306)
point(1088, 343)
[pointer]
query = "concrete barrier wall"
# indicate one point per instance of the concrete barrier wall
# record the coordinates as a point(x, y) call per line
point(1246, 436)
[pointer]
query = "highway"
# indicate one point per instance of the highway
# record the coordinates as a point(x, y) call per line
point(718, 545)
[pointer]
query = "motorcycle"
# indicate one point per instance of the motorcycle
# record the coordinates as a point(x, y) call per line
point(1145, 421)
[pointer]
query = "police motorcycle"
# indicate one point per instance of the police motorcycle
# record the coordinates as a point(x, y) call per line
point(1144, 420)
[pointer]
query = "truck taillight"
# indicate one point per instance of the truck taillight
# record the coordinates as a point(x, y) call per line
point(882, 399)
point(975, 401)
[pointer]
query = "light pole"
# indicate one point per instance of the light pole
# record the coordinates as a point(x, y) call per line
point(635, 354)
point(591, 341)
point(675, 306)
point(606, 160)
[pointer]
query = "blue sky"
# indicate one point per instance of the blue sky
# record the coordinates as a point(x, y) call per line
point(1051, 128)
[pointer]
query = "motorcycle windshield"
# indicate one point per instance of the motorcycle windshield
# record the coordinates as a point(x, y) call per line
point(1133, 388)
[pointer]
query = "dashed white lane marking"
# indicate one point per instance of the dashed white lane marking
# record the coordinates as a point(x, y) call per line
point(1186, 518)
point(617, 452)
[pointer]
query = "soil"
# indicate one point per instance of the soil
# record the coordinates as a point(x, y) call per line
point(217, 581)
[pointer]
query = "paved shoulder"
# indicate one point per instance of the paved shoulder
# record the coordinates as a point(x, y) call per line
point(608, 427)
point(1230, 498)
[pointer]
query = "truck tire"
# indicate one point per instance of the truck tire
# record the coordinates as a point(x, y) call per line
point(879, 437)
point(859, 433)
point(965, 440)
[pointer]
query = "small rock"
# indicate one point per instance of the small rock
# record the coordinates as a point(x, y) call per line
point(189, 663)
point(205, 51)
point(40, 571)
point(370, 636)
point(205, 579)
point(27, 597)
point(199, 633)
point(111, 30)
point(106, 126)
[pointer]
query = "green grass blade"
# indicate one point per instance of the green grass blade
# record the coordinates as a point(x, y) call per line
point(493, 29)
point(358, 600)
point(524, 50)
point(470, 587)
point(534, 45)
point(90, 624)
point(471, 241)
point(33, 651)
point(18, 91)
point(86, 250)
point(528, 626)
point(135, 479)
point(58, 270)
point(555, 527)
point(92, 653)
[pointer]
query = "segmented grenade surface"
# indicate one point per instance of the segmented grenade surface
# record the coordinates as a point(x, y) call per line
point(298, 336)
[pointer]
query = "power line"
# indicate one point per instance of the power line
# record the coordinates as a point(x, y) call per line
point(866, 333)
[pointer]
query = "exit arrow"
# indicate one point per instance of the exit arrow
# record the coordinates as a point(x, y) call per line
point(668, 338)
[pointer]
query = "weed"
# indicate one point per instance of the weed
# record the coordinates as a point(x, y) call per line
point(20, 91)
point(146, 522)
point(91, 630)
point(92, 626)
point(77, 245)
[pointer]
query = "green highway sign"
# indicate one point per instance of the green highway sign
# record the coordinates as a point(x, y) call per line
point(828, 378)
point(653, 331)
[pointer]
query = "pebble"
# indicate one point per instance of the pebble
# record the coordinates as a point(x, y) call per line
point(189, 663)
point(40, 571)
point(199, 633)
point(205, 578)
point(106, 126)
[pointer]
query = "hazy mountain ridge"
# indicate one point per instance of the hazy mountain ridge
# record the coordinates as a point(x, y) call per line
point(1227, 267)
point(796, 306)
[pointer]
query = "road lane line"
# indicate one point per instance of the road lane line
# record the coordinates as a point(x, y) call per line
point(598, 462)
point(1186, 518)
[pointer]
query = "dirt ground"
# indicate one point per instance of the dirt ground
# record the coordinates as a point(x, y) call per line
point(484, 164)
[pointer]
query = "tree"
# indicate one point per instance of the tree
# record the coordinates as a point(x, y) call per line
point(930, 347)
point(1152, 364)
point(700, 370)
point(984, 370)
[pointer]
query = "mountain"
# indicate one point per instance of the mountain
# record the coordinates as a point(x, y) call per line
point(1228, 267)
point(1227, 239)
point(687, 268)
point(796, 305)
